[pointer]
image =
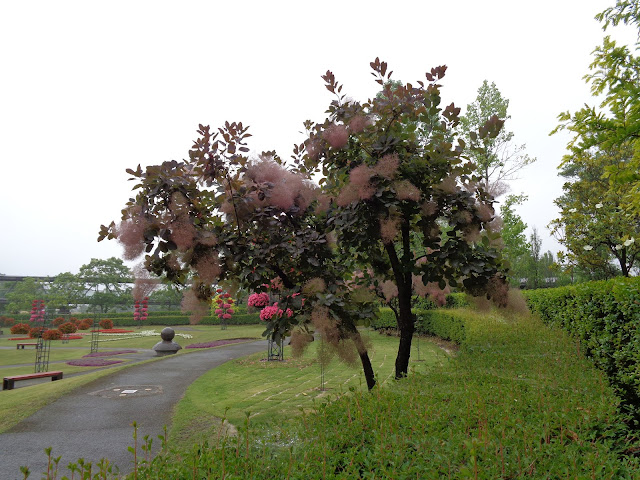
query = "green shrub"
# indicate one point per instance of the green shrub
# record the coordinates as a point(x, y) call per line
point(457, 300)
point(605, 317)
point(386, 320)
point(443, 323)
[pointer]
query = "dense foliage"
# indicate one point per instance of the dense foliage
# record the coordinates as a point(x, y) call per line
point(603, 156)
point(399, 207)
point(605, 317)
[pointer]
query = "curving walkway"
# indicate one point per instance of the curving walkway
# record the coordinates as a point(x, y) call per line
point(95, 421)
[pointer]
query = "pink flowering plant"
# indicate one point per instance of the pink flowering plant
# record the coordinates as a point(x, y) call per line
point(222, 305)
point(397, 188)
point(140, 310)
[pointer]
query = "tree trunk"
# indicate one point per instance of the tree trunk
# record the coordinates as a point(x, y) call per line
point(366, 362)
point(406, 326)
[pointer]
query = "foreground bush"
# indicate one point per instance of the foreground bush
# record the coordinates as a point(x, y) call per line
point(519, 401)
point(605, 317)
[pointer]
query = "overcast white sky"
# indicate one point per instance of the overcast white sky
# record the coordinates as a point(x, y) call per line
point(89, 89)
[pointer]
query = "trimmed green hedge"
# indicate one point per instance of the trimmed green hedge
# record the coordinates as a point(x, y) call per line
point(172, 318)
point(183, 319)
point(444, 323)
point(448, 324)
point(605, 317)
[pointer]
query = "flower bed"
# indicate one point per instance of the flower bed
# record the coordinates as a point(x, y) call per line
point(108, 354)
point(114, 330)
point(20, 338)
point(92, 362)
point(143, 333)
point(217, 343)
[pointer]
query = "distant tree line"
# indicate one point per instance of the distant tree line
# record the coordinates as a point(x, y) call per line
point(99, 286)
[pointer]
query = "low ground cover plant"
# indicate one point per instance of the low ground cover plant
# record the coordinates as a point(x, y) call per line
point(519, 401)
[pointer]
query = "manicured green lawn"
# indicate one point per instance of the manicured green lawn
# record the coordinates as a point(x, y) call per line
point(271, 390)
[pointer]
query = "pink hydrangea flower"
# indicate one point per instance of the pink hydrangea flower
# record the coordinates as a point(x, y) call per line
point(258, 300)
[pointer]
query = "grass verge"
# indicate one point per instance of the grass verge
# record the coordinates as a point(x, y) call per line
point(518, 401)
point(270, 390)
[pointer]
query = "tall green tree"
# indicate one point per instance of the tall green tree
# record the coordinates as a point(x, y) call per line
point(106, 284)
point(516, 246)
point(23, 294)
point(614, 125)
point(596, 225)
point(66, 291)
point(498, 159)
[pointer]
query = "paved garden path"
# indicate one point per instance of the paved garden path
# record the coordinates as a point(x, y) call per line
point(95, 421)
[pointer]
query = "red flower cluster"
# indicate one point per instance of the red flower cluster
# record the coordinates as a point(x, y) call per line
point(258, 300)
point(140, 311)
point(52, 335)
point(20, 329)
point(224, 304)
point(106, 323)
point(37, 311)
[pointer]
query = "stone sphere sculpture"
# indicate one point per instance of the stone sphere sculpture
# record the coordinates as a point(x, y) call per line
point(167, 346)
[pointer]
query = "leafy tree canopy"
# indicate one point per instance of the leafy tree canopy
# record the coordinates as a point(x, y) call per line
point(497, 158)
point(106, 283)
point(596, 224)
point(399, 208)
point(614, 125)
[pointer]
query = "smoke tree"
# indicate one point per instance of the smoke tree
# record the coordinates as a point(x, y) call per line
point(409, 210)
point(399, 209)
point(220, 217)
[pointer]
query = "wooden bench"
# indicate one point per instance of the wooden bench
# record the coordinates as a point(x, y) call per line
point(22, 345)
point(7, 382)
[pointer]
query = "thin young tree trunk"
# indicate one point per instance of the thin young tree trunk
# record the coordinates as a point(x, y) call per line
point(406, 326)
point(366, 362)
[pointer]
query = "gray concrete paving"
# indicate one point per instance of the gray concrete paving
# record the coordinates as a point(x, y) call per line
point(95, 421)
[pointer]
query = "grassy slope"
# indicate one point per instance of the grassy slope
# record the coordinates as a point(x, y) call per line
point(272, 390)
point(518, 401)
